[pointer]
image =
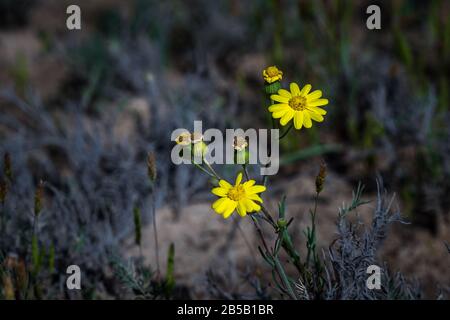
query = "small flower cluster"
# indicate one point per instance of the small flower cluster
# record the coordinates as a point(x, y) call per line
point(298, 106)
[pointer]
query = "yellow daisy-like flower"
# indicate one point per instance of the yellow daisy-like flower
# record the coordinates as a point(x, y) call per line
point(299, 105)
point(242, 197)
point(272, 74)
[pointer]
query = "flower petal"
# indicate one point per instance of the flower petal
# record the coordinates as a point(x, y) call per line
point(298, 120)
point(317, 110)
point(305, 90)
point(284, 93)
point(295, 90)
point(314, 95)
point(251, 206)
point(319, 102)
point(315, 116)
point(242, 211)
point(278, 107)
point(218, 203)
point(287, 117)
point(307, 119)
point(238, 179)
point(278, 98)
point(222, 206)
point(256, 189)
point(219, 191)
point(225, 184)
point(230, 208)
point(248, 184)
point(254, 197)
point(279, 114)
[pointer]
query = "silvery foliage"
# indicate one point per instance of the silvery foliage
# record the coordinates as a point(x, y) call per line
point(357, 247)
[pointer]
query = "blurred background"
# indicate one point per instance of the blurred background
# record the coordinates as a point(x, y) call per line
point(81, 109)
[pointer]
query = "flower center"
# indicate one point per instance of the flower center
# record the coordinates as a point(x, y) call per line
point(236, 193)
point(272, 71)
point(297, 103)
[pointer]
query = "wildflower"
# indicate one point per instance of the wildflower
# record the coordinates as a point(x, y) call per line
point(239, 143)
point(242, 197)
point(299, 105)
point(272, 74)
point(241, 154)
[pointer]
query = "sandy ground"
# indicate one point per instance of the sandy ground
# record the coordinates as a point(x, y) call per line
point(205, 241)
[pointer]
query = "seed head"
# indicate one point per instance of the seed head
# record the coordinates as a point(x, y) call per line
point(320, 179)
point(151, 166)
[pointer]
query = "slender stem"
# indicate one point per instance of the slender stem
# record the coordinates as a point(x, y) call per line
point(261, 235)
point(204, 170)
point(212, 170)
point(284, 278)
point(286, 131)
point(155, 233)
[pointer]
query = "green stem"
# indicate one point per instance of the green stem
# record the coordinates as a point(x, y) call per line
point(284, 278)
point(212, 170)
point(286, 131)
point(204, 170)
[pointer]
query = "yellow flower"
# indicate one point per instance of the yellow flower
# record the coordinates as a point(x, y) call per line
point(184, 139)
point(242, 197)
point(299, 105)
point(272, 74)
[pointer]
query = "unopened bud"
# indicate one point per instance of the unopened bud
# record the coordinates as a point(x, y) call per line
point(199, 150)
point(281, 223)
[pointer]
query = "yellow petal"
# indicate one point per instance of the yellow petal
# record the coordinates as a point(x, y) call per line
point(238, 179)
point(287, 117)
point(222, 206)
point(284, 93)
point(319, 102)
point(248, 183)
point(278, 107)
point(249, 205)
point(306, 119)
point(230, 208)
point(278, 98)
point(242, 211)
point(295, 90)
point(279, 114)
point(315, 116)
point(298, 120)
point(314, 95)
point(254, 197)
point(305, 90)
point(317, 110)
point(252, 205)
point(256, 189)
point(221, 192)
point(218, 202)
point(225, 184)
